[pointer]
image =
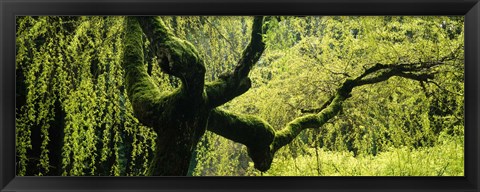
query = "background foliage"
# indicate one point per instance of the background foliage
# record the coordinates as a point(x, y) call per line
point(73, 117)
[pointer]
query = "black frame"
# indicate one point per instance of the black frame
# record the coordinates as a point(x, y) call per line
point(10, 8)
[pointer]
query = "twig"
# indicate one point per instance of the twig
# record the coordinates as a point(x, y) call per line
point(443, 89)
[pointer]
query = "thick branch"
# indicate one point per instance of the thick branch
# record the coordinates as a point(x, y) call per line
point(253, 51)
point(141, 90)
point(290, 132)
point(394, 71)
point(177, 57)
point(180, 117)
point(251, 131)
point(286, 135)
point(317, 110)
point(246, 129)
point(236, 83)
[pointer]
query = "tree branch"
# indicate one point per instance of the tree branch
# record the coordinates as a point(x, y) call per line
point(140, 88)
point(444, 89)
point(251, 131)
point(317, 110)
point(231, 85)
point(243, 129)
point(286, 135)
point(177, 57)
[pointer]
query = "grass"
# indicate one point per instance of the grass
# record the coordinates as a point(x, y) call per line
point(443, 159)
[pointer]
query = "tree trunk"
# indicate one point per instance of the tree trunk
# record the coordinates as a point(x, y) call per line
point(181, 117)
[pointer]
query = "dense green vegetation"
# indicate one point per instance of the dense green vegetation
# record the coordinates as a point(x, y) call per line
point(75, 114)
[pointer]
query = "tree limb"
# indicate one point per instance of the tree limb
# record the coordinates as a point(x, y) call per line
point(240, 128)
point(251, 131)
point(231, 85)
point(286, 135)
point(317, 110)
point(179, 118)
point(140, 88)
point(177, 57)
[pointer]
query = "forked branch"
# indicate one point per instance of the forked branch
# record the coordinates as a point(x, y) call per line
point(256, 133)
point(233, 84)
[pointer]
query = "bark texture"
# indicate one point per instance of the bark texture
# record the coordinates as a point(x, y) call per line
point(178, 117)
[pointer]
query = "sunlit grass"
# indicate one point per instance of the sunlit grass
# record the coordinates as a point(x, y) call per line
point(444, 159)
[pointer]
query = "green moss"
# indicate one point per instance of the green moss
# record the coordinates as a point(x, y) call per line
point(140, 88)
point(177, 57)
point(179, 118)
point(246, 129)
point(223, 90)
point(292, 129)
point(238, 82)
point(155, 27)
point(249, 130)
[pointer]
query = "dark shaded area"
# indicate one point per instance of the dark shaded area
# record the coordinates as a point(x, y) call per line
point(56, 135)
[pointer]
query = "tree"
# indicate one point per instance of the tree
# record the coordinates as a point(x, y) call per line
point(149, 95)
point(181, 117)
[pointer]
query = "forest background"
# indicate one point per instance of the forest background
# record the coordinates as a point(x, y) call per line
point(73, 116)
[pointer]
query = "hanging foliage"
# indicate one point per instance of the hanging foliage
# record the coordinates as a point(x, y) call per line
point(74, 116)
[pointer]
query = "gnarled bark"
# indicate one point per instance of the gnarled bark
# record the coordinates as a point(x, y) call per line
point(181, 117)
point(251, 131)
point(178, 117)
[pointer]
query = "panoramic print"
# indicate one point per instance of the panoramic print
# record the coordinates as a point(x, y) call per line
point(240, 96)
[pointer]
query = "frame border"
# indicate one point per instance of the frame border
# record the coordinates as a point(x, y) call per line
point(11, 8)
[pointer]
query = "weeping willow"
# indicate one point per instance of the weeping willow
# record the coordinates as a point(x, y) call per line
point(72, 114)
point(74, 118)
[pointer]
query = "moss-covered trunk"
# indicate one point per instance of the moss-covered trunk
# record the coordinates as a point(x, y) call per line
point(177, 138)
point(181, 117)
